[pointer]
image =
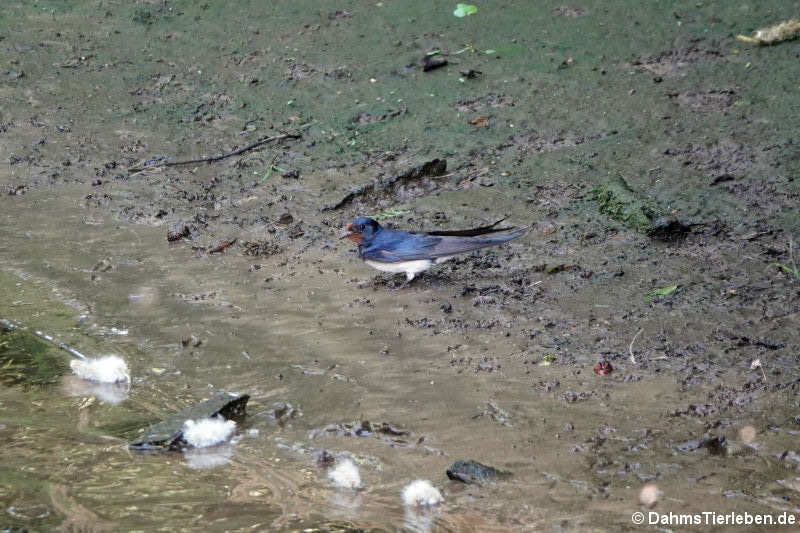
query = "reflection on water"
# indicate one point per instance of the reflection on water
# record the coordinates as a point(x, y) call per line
point(32, 513)
point(110, 393)
point(420, 520)
point(205, 458)
point(345, 503)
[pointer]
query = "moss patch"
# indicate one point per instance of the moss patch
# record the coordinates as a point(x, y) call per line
point(26, 361)
point(617, 200)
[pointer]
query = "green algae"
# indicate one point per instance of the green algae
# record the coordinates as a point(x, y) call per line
point(26, 361)
point(618, 201)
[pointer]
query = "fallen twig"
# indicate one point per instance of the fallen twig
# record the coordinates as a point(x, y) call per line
point(433, 169)
point(784, 31)
point(757, 364)
point(630, 347)
point(260, 142)
point(219, 248)
point(72, 351)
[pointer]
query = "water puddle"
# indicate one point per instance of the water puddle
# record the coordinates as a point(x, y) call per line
point(578, 446)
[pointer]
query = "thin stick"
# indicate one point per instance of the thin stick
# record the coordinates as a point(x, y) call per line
point(72, 351)
point(757, 363)
point(630, 347)
point(221, 246)
point(62, 345)
point(262, 141)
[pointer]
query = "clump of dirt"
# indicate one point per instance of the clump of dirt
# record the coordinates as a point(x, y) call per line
point(570, 11)
point(536, 142)
point(711, 101)
point(723, 158)
point(410, 183)
point(368, 118)
point(675, 62)
point(495, 413)
point(299, 71)
point(262, 247)
point(492, 100)
point(581, 396)
point(383, 431)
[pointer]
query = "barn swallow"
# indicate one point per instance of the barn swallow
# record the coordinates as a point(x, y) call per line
point(412, 252)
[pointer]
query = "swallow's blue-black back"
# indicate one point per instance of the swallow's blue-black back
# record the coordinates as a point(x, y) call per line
point(393, 246)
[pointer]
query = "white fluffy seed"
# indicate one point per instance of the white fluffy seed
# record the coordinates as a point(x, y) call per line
point(345, 475)
point(649, 495)
point(208, 431)
point(107, 369)
point(747, 434)
point(421, 493)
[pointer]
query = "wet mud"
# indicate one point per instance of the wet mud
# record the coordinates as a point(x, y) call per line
point(644, 332)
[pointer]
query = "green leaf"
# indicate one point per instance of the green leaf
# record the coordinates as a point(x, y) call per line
point(270, 170)
point(462, 10)
point(490, 52)
point(789, 270)
point(664, 291)
point(547, 360)
point(389, 213)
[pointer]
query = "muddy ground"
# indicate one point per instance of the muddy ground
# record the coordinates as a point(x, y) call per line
point(655, 157)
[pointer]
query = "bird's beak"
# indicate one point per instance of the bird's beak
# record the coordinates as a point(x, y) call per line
point(352, 234)
point(348, 230)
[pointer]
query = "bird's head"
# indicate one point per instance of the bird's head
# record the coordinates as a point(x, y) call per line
point(361, 229)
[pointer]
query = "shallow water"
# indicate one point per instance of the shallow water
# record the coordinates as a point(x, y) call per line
point(67, 464)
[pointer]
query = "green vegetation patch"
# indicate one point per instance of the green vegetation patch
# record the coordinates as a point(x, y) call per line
point(26, 361)
point(617, 200)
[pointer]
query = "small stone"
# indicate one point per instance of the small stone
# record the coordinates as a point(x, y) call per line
point(324, 458)
point(177, 232)
point(471, 472)
point(433, 62)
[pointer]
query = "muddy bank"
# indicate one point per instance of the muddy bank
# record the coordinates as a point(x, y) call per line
point(657, 168)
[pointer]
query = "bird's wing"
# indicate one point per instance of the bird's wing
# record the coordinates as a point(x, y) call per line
point(432, 247)
point(397, 246)
point(474, 232)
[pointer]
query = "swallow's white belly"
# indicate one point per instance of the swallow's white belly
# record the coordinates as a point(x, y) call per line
point(411, 268)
